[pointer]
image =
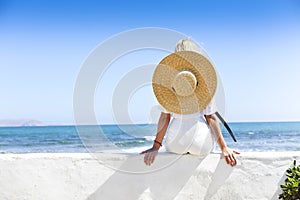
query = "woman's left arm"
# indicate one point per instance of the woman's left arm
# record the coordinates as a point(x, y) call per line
point(228, 153)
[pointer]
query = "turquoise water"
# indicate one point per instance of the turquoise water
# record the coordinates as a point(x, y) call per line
point(266, 136)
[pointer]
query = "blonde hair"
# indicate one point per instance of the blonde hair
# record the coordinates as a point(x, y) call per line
point(189, 45)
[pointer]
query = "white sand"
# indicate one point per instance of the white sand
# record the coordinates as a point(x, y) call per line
point(79, 176)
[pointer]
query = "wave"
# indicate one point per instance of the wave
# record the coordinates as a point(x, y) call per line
point(131, 143)
point(149, 137)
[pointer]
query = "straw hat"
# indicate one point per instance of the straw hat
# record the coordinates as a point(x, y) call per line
point(184, 82)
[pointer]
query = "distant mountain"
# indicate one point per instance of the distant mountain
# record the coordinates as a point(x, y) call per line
point(20, 122)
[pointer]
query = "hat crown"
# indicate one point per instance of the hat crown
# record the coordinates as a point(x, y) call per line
point(184, 83)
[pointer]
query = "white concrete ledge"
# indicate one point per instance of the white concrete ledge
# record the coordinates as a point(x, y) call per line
point(122, 176)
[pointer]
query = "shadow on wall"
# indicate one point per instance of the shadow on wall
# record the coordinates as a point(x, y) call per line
point(162, 180)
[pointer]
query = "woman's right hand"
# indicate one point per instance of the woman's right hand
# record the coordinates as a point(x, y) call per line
point(229, 155)
point(150, 155)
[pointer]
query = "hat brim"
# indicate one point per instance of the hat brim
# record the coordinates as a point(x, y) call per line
point(165, 73)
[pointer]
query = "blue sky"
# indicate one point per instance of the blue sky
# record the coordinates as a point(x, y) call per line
point(255, 46)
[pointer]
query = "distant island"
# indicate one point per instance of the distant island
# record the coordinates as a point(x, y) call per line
point(20, 122)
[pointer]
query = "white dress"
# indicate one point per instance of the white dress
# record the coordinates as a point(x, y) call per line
point(189, 133)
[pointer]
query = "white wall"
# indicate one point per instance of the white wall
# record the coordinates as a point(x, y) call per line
point(79, 176)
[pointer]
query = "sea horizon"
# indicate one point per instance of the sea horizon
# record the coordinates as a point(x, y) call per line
point(109, 124)
point(251, 136)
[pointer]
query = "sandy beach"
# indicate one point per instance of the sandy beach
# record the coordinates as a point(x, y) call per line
point(82, 176)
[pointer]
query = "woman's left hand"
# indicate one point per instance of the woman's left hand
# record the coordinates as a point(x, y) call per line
point(229, 156)
point(150, 155)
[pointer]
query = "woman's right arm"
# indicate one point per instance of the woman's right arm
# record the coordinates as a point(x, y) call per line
point(162, 126)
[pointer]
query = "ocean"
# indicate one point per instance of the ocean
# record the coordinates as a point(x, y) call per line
point(262, 136)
